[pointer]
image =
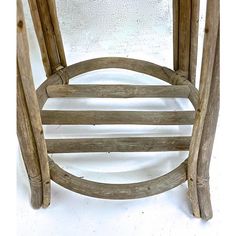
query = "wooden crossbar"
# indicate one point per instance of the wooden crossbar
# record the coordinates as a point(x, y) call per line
point(130, 144)
point(52, 117)
point(118, 91)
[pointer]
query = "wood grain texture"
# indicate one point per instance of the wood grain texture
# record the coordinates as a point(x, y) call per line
point(195, 9)
point(118, 91)
point(118, 191)
point(175, 5)
point(185, 36)
point(48, 34)
point(163, 73)
point(211, 31)
point(53, 117)
point(140, 66)
point(54, 19)
point(41, 91)
point(141, 144)
point(28, 147)
point(40, 36)
point(31, 101)
point(207, 140)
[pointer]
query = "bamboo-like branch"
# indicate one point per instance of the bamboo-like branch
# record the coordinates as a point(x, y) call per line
point(207, 141)
point(195, 9)
point(31, 101)
point(185, 36)
point(211, 31)
point(48, 33)
point(28, 147)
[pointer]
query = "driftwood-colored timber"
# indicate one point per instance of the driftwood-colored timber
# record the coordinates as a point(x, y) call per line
point(185, 36)
point(52, 117)
point(25, 76)
point(118, 191)
point(48, 33)
point(207, 140)
point(141, 144)
point(181, 84)
point(210, 41)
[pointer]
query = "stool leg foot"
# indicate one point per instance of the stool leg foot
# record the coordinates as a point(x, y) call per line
point(207, 141)
point(28, 148)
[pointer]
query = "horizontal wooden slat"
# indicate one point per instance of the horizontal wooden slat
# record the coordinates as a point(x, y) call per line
point(119, 191)
point(140, 144)
point(118, 91)
point(51, 117)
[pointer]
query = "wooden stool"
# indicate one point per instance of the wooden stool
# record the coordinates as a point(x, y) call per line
point(30, 115)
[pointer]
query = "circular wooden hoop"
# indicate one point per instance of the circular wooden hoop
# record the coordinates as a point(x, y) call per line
point(117, 191)
point(148, 68)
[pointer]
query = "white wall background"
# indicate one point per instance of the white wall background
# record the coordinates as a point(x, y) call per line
point(132, 28)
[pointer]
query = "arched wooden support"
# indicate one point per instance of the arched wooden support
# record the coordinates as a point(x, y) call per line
point(48, 33)
point(148, 68)
point(185, 36)
point(207, 140)
point(31, 104)
point(118, 191)
point(210, 41)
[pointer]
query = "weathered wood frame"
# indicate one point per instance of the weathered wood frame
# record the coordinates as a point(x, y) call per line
point(30, 116)
point(185, 41)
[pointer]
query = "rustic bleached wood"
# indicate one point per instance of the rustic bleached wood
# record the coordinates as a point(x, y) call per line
point(207, 140)
point(48, 33)
point(175, 5)
point(211, 31)
point(118, 191)
point(39, 32)
point(180, 79)
point(162, 73)
point(41, 91)
point(118, 91)
point(53, 117)
point(136, 65)
point(195, 9)
point(206, 102)
point(53, 14)
point(130, 144)
point(185, 36)
point(28, 147)
point(31, 101)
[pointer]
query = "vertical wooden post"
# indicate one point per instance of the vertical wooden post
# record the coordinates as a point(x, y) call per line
point(176, 34)
point(185, 33)
point(31, 103)
point(207, 140)
point(209, 49)
point(47, 29)
point(28, 147)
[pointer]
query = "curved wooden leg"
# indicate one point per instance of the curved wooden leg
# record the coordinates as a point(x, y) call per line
point(28, 148)
point(200, 134)
point(33, 118)
point(207, 142)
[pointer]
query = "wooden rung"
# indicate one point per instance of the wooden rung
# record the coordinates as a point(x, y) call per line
point(131, 144)
point(118, 91)
point(51, 117)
